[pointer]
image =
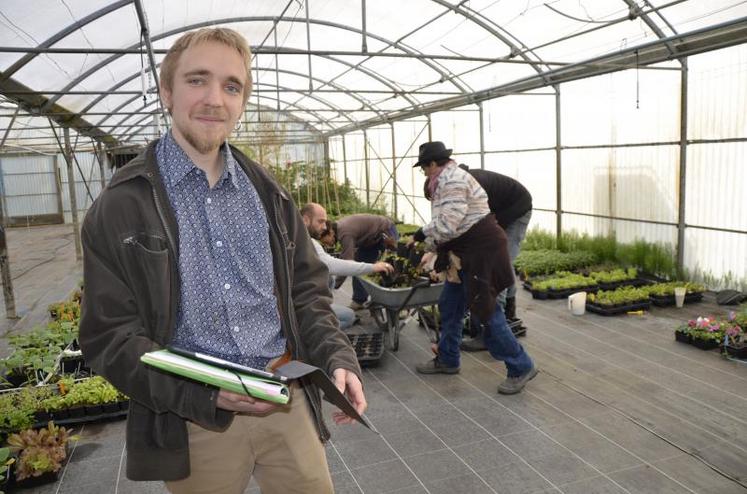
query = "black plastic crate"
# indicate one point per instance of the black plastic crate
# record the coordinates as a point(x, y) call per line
point(369, 347)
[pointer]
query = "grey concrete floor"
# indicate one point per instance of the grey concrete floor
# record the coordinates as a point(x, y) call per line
point(44, 271)
point(618, 407)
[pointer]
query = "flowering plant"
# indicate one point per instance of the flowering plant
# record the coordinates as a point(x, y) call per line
point(705, 328)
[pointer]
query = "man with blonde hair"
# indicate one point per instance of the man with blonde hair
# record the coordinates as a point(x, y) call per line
point(194, 244)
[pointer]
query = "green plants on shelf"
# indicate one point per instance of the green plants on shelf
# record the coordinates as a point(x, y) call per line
point(539, 262)
point(563, 280)
point(623, 296)
point(614, 275)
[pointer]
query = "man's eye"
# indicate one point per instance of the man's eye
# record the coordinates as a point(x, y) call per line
point(234, 89)
point(194, 81)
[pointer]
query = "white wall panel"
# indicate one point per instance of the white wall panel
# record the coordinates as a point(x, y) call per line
point(720, 259)
point(717, 94)
point(459, 130)
point(716, 185)
point(519, 122)
point(621, 108)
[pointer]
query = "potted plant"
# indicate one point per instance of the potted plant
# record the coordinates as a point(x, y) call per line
point(735, 342)
point(662, 294)
point(618, 301)
point(705, 333)
point(40, 454)
point(5, 462)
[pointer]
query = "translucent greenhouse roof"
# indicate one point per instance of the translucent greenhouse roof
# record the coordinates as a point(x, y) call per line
point(334, 65)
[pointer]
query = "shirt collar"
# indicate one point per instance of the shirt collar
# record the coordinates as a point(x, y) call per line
point(178, 165)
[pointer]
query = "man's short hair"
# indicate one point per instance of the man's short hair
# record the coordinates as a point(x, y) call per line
point(308, 209)
point(228, 37)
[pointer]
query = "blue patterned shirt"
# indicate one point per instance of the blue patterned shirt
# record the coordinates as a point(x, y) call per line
point(228, 306)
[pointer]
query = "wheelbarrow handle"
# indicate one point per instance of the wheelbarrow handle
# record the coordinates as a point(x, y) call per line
point(422, 282)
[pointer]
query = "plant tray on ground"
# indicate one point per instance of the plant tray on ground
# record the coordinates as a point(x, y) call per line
point(369, 347)
point(617, 284)
point(610, 310)
point(739, 352)
point(86, 414)
point(667, 300)
point(553, 294)
point(683, 337)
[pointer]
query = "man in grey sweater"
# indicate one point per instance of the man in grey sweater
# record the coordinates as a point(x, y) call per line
point(315, 218)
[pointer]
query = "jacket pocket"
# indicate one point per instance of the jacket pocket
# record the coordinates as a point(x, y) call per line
point(146, 260)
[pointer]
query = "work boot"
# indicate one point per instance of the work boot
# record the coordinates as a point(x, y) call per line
point(476, 344)
point(434, 366)
point(513, 385)
point(510, 310)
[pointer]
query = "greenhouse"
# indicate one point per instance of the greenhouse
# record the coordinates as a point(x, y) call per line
point(623, 122)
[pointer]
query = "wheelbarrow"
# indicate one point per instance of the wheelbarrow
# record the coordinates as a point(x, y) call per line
point(388, 303)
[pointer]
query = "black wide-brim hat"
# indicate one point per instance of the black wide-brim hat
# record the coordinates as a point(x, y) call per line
point(431, 151)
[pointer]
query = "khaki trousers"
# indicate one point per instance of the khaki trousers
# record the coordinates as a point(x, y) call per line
point(281, 450)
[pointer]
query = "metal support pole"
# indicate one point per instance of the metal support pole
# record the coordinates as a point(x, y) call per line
point(58, 185)
point(558, 168)
point(364, 44)
point(365, 163)
point(430, 129)
point(73, 200)
point(683, 167)
point(10, 299)
point(482, 137)
point(344, 160)
point(308, 45)
point(102, 167)
point(394, 176)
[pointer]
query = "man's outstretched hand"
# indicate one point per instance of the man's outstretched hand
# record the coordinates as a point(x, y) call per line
point(349, 384)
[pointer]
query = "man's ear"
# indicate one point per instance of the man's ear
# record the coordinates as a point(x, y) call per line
point(166, 97)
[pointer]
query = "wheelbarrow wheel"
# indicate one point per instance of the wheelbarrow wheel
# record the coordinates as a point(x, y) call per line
point(393, 330)
point(381, 318)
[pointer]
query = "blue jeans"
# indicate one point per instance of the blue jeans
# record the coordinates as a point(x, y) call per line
point(499, 339)
point(515, 232)
point(345, 315)
point(369, 254)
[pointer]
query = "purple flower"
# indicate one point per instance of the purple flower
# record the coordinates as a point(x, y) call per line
point(732, 315)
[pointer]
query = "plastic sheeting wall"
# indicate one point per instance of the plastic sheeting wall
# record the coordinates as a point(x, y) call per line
point(29, 189)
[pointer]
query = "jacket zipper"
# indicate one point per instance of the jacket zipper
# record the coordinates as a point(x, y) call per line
point(314, 406)
point(172, 248)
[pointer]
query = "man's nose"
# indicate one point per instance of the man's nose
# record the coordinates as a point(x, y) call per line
point(213, 94)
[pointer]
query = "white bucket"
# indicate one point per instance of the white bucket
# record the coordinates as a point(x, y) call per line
point(679, 295)
point(577, 303)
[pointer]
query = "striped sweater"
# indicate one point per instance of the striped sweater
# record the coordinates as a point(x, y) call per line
point(457, 204)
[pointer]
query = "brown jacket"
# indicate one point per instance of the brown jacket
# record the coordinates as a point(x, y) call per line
point(131, 298)
point(361, 230)
point(483, 252)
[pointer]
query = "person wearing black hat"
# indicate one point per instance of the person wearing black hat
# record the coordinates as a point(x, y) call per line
point(473, 251)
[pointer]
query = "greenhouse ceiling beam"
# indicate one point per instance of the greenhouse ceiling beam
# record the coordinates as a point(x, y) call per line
point(284, 51)
point(271, 90)
point(234, 20)
point(638, 12)
point(32, 103)
point(318, 117)
point(134, 98)
point(714, 37)
point(63, 34)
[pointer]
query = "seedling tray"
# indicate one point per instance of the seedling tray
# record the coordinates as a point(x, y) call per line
point(636, 282)
point(667, 300)
point(369, 347)
point(739, 352)
point(558, 294)
point(605, 310)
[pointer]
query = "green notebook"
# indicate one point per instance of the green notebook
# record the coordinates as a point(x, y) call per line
point(257, 387)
